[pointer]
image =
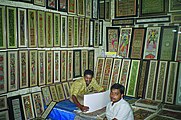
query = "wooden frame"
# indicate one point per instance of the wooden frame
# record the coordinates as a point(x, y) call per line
point(3, 71)
point(2, 28)
point(81, 31)
point(100, 32)
point(51, 4)
point(70, 32)
point(72, 5)
point(80, 7)
point(53, 92)
point(48, 110)
point(70, 65)
point(57, 66)
point(39, 2)
point(146, 20)
point(86, 33)
point(41, 68)
point(96, 34)
point(62, 5)
point(3, 102)
point(46, 95)
point(12, 70)
point(178, 48)
point(49, 29)
point(27, 106)
point(33, 67)
point(56, 31)
point(4, 115)
point(60, 92)
point(77, 63)
point(94, 9)
point(66, 90)
point(118, 22)
point(76, 32)
point(84, 60)
point(63, 66)
point(41, 28)
point(91, 39)
point(99, 69)
point(174, 6)
point(91, 59)
point(38, 103)
point(11, 27)
point(101, 9)
point(49, 67)
point(23, 63)
point(88, 10)
point(63, 31)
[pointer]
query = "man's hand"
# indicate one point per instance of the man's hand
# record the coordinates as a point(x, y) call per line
point(84, 108)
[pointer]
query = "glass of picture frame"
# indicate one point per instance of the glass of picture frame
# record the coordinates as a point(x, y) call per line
point(60, 91)
point(62, 5)
point(51, 4)
point(39, 2)
point(3, 70)
point(2, 26)
point(3, 102)
point(46, 95)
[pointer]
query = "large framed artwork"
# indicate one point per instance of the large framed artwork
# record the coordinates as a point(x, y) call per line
point(91, 60)
point(91, 39)
point(53, 92)
point(2, 28)
point(33, 67)
point(174, 6)
point(3, 72)
point(41, 68)
point(11, 27)
point(77, 63)
point(96, 34)
point(72, 5)
point(60, 92)
point(38, 103)
point(39, 2)
point(49, 67)
point(3, 102)
point(57, 66)
point(137, 43)
point(86, 33)
point(48, 110)
point(63, 31)
point(12, 70)
point(112, 39)
point(81, 31)
point(81, 7)
point(46, 95)
point(84, 60)
point(41, 28)
point(99, 69)
point(124, 42)
point(101, 9)
point(32, 28)
point(151, 43)
point(88, 10)
point(178, 90)
point(168, 43)
point(70, 31)
point(76, 32)
point(100, 32)
point(107, 10)
point(49, 29)
point(27, 106)
point(125, 8)
point(23, 69)
point(57, 30)
point(62, 5)
point(63, 66)
point(22, 28)
point(66, 90)
point(117, 22)
point(178, 48)
point(4, 115)
point(51, 4)
point(94, 9)
point(70, 65)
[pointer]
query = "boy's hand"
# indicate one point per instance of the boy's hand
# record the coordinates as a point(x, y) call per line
point(84, 108)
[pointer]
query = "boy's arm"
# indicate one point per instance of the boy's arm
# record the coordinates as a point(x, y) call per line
point(82, 107)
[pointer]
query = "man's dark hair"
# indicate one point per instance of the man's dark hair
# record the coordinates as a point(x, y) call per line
point(88, 72)
point(118, 86)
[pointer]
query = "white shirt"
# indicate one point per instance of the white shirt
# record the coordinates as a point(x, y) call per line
point(120, 110)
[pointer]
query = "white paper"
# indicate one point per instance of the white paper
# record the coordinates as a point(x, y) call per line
point(96, 101)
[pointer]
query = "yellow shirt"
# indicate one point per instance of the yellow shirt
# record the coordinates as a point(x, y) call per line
point(79, 87)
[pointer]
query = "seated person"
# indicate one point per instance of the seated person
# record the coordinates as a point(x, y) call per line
point(118, 108)
point(80, 87)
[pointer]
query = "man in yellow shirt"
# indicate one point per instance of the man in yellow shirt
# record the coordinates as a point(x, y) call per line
point(83, 86)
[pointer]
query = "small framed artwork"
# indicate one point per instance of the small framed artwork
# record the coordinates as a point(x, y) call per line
point(39, 2)
point(41, 28)
point(46, 95)
point(49, 67)
point(60, 92)
point(81, 31)
point(38, 103)
point(107, 10)
point(33, 67)
point(91, 60)
point(178, 48)
point(176, 18)
point(3, 71)
point(63, 31)
point(88, 10)
point(118, 22)
point(41, 68)
point(100, 32)
point(96, 34)
point(91, 39)
point(28, 1)
point(86, 33)
point(80, 7)
point(11, 27)
point(2, 26)
point(174, 6)
point(27, 106)
point(48, 110)
point(63, 66)
point(62, 5)
point(70, 65)
point(51, 4)
point(99, 69)
point(23, 63)
point(57, 30)
point(53, 92)
point(72, 5)
point(12, 70)
point(101, 9)
point(4, 115)
point(84, 61)
point(76, 32)
point(70, 31)
point(3, 102)
point(66, 90)
point(94, 9)
point(49, 29)
point(146, 20)
point(57, 66)
point(77, 63)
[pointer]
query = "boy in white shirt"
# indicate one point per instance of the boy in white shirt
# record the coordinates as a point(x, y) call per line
point(118, 108)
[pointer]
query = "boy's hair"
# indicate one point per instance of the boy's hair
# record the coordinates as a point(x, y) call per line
point(118, 86)
point(88, 72)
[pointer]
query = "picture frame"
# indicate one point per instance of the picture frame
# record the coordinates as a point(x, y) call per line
point(91, 60)
point(4, 115)
point(81, 31)
point(60, 91)
point(107, 10)
point(178, 94)
point(96, 34)
point(11, 27)
point(57, 66)
point(77, 63)
point(2, 26)
point(57, 30)
point(76, 32)
point(23, 63)
point(28, 1)
point(3, 71)
point(33, 67)
point(91, 39)
point(12, 70)
point(174, 6)
point(39, 2)
point(63, 31)
point(32, 27)
point(101, 32)
point(27, 106)
point(122, 21)
point(62, 5)
point(51, 4)
point(48, 110)
point(49, 29)
point(38, 103)
point(178, 48)
point(101, 9)
point(84, 60)
point(41, 28)
point(66, 90)
point(175, 18)
point(3, 102)
point(88, 10)
point(53, 92)
point(49, 67)
point(72, 7)
point(94, 9)
point(86, 33)
point(46, 95)
point(41, 68)
point(81, 7)
point(99, 69)
point(63, 66)
point(146, 20)
point(70, 31)
point(69, 65)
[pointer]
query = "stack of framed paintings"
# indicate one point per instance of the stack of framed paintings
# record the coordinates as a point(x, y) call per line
point(49, 67)
point(150, 104)
point(41, 28)
point(2, 28)
point(70, 65)
point(46, 95)
point(142, 114)
point(60, 92)
point(77, 63)
point(178, 48)
point(3, 71)
point(84, 60)
point(53, 92)
point(57, 30)
point(41, 68)
point(91, 59)
point(72, 6)
point(57, 66)
point(63, 66)
point(172, 114)
point(99, 69)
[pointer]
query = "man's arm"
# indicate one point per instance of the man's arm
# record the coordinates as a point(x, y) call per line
point(82, 107)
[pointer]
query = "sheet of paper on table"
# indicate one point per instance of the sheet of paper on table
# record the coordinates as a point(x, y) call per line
point(96, 101)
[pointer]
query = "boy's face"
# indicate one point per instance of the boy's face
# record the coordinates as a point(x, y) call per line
point(115, 95)
point(88, 79)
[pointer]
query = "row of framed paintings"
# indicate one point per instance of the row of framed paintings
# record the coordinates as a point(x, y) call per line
point(28, 68)
point(162, 43)
point(35, 28)
point(150, 79)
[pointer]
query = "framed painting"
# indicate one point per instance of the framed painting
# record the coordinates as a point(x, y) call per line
point(142, 114)
point(178, 90)
point(101, 9)
point(32, 27)
point(33, 67)
point(160, 84)
point(99, 69)
point(22, 28)
point(133, 78)
point(112, 39)
point(91, 39)
point(63, 31)
point(57, 66)
point(38, 103)
point(3, 102)
point(151, 79)
point(51, 4)
point(118, 22)
point(66, 90)
point(41, 28)
point(88, 10)
point(48, 110)
point(94, 9)
point(60, 92)
point(171, 82)
point(49, 67)
point(15, 108)
point(28, 1)
point(178, 48)
point(115, 72)
point(2, 28)
point(70, 31)
point(174, 6)
point(107, 10)
point(137, 44)
point(81, 7)
point(146, 20)
point(126, 8)
point(70, 65)
point(12, 70)
point(49, 29)
point(41, 68)
point(81, 31)
point(62, 5)
point(72, 5)
point(46, 95)
point(4, 115)
point(23, 69)
point(176, 18)
point(27, 106)
point(39, 2)
point(168, 43)
point(3, 72)
point(84, 60)
point(11, 27)
point(151, 43)
point(53, 92)
point(86, 32)
point(100, 32)
point(77, 63)
point(56, 30)
point(63, 66)
point(96, 34)
point(91, 59)
point(107, 73)
point(76, 32)
point(124, 42)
